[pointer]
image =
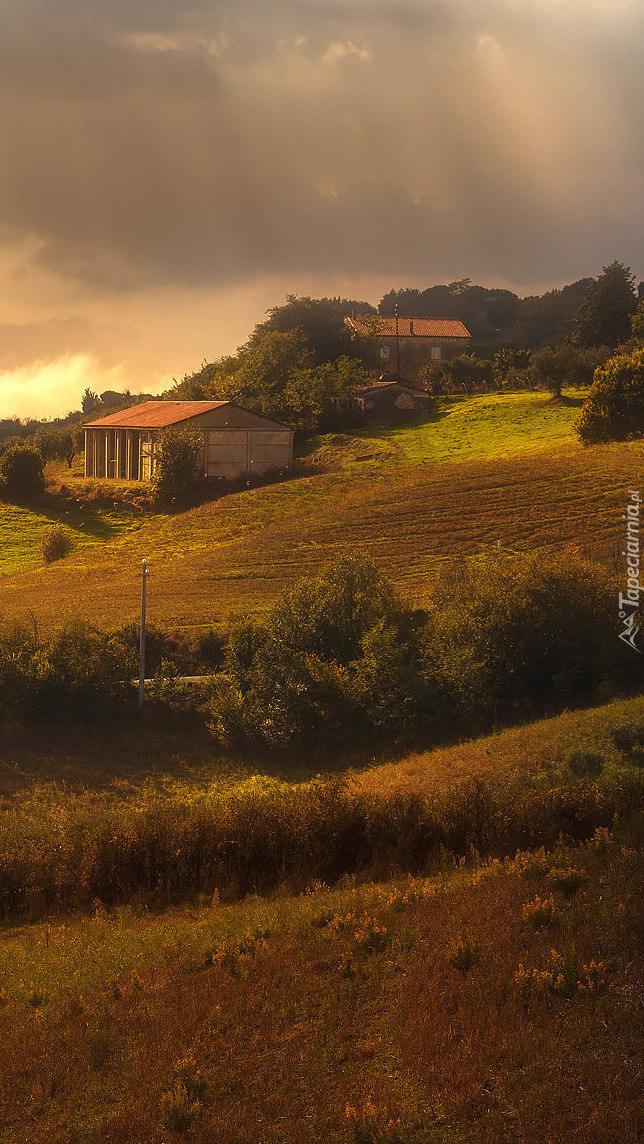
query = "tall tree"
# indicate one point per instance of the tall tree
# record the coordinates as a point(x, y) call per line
point(320, 320)
point(605, 315)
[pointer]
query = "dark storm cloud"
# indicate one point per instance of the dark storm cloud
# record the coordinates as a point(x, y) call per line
point(150, 143)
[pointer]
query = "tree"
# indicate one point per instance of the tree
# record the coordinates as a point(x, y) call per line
point(90, 401)
point(55, 445)
point(614, 408)
point(321, 322)
point(605, 315)
point(557, 366)
point(511, 367)
point(177, 464)
point(337, 655)
point(637, 322)
point(21, 471)
point(322, 397)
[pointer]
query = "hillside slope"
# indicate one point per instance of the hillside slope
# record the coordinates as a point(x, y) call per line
point(237, 553)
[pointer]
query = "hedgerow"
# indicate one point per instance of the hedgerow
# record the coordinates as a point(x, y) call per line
point(59, 850)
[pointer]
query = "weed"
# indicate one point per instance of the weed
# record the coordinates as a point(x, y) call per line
point(371, 1125)
point(567, 879)
point(37, 997)
point(192, 1078)
point(465, 954)
point(532, 865)
point(585, 764)
point(371, 936)
point(629, 736)
point(562, 978)
point(539, 912)
point(99, 1048)
point(602, 840)
point(178, 1111)
point(55, 544)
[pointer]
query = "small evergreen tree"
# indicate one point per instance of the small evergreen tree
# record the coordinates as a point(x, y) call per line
point(605, 315)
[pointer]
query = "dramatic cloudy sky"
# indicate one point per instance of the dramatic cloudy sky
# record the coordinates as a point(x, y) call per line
point(168, 170)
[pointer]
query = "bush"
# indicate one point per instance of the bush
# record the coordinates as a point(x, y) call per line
point(79, 673)
point(176, 464)
point(55, 544)
point(614, 408)
point(503, 629)
point(21, 471)
point(338, 656)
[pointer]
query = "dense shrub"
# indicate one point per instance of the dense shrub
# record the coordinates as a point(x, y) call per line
point(177, 464)
point(21, 472)
point(59, 850)
point(504, 628)
point(614, 408)
point(465, 372)
point(79, 673)
point(55, 544)
point(341, 657)
point(338, 656)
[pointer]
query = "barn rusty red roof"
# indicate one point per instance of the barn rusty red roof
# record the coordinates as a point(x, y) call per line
point(154, 414)
point(409, 327)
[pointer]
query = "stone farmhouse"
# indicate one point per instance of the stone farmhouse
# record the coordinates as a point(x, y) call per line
point(415, 340)
point(235, 442)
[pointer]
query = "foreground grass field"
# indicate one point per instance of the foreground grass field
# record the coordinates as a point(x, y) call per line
point(489, 1004)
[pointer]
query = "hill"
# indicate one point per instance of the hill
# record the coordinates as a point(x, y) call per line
point(381, 492)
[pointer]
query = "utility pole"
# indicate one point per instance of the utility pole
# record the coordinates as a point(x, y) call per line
point(397, 343)
point(144, 578)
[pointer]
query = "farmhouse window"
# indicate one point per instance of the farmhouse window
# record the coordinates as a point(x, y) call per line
point(385, 353)
point(436, 353)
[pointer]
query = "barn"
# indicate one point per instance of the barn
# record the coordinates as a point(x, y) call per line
point(235, 441)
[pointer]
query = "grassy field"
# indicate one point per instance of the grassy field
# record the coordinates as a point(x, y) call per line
point(84, 510)
point(135, 753)
point(489, 426)
point(410, 495)
point(489, 1004)
point(406, 976)
point(22, 529)
point(176, 828)
point(234, 555)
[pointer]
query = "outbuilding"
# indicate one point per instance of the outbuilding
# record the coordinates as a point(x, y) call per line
point(235, 441)
point(391, 400)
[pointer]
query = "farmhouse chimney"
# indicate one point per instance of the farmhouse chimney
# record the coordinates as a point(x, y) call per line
point(411, 328)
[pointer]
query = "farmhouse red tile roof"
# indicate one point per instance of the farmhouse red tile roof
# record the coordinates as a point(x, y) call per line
point(410, 327)
point(155, 414)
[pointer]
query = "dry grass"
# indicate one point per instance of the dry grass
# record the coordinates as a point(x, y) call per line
point(345, 1018)
point(237, 554)
point(532, 751)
